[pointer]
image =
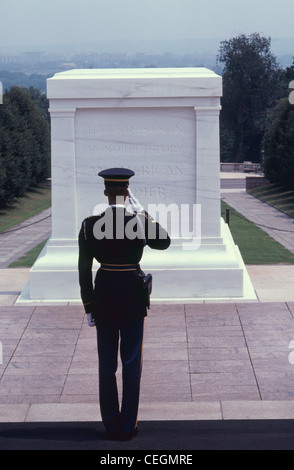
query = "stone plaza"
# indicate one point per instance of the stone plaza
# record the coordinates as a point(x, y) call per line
point(214, 356)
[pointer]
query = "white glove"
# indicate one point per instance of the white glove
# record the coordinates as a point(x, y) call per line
point(91, 321)
point(136, 206)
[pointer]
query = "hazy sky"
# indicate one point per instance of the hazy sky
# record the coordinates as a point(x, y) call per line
point(47, 22)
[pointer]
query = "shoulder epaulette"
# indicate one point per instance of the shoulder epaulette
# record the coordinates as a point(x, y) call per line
point(84, 229)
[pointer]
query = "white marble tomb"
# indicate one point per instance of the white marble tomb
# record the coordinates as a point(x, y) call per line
point(164, 125)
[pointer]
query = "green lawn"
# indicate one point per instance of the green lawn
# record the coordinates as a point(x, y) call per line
point(276, 196)
point(36, 200)
point(255, 245)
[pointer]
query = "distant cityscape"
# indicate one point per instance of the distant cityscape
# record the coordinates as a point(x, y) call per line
point(46, 63)
point(31, 67)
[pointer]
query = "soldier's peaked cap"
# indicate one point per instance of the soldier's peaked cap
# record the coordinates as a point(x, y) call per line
point(117, 176)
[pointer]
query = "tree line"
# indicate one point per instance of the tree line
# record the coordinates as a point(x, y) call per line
point(24, 142)
point(257, 120)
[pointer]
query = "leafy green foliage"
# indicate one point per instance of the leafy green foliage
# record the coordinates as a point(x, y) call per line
point(24, 143)
point(252, 81)
point(279, 147)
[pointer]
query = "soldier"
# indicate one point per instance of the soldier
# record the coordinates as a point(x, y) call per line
point(117, 303)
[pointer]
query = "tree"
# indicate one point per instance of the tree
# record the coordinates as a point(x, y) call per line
point(279, 146)
point(41, 101)
point(251, 86)
point(24, 145)
point(289, 73)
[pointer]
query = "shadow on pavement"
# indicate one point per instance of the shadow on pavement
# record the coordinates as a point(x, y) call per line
point(153, 435)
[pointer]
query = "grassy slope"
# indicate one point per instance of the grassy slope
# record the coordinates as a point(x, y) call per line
point(36, 200)
point(280, 198)
point(255, 245)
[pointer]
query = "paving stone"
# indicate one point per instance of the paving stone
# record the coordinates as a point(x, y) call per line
point(27, 384)
point(63, 412)
point(253, 410)
point(81, 384)
point(35, 365)
point(217, 354)
point(207, 366)
point(228, 392)
point(13, 413)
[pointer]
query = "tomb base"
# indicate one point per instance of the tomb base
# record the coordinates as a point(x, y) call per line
point(213, 271)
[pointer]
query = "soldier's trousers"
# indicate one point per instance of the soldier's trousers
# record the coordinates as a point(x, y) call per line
point(118, 419)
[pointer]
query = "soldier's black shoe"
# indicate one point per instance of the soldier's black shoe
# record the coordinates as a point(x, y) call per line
point(128, 436)
point(112, 436)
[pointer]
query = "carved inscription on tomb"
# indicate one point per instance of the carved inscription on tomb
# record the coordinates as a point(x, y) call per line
point(129, 149)
point(158, 144)
point(108, 145)
point(129, 130)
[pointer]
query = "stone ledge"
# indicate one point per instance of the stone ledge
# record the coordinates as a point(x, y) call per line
point(183, 411)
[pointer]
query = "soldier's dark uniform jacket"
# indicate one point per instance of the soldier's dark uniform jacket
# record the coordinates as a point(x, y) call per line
point(117, 295)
